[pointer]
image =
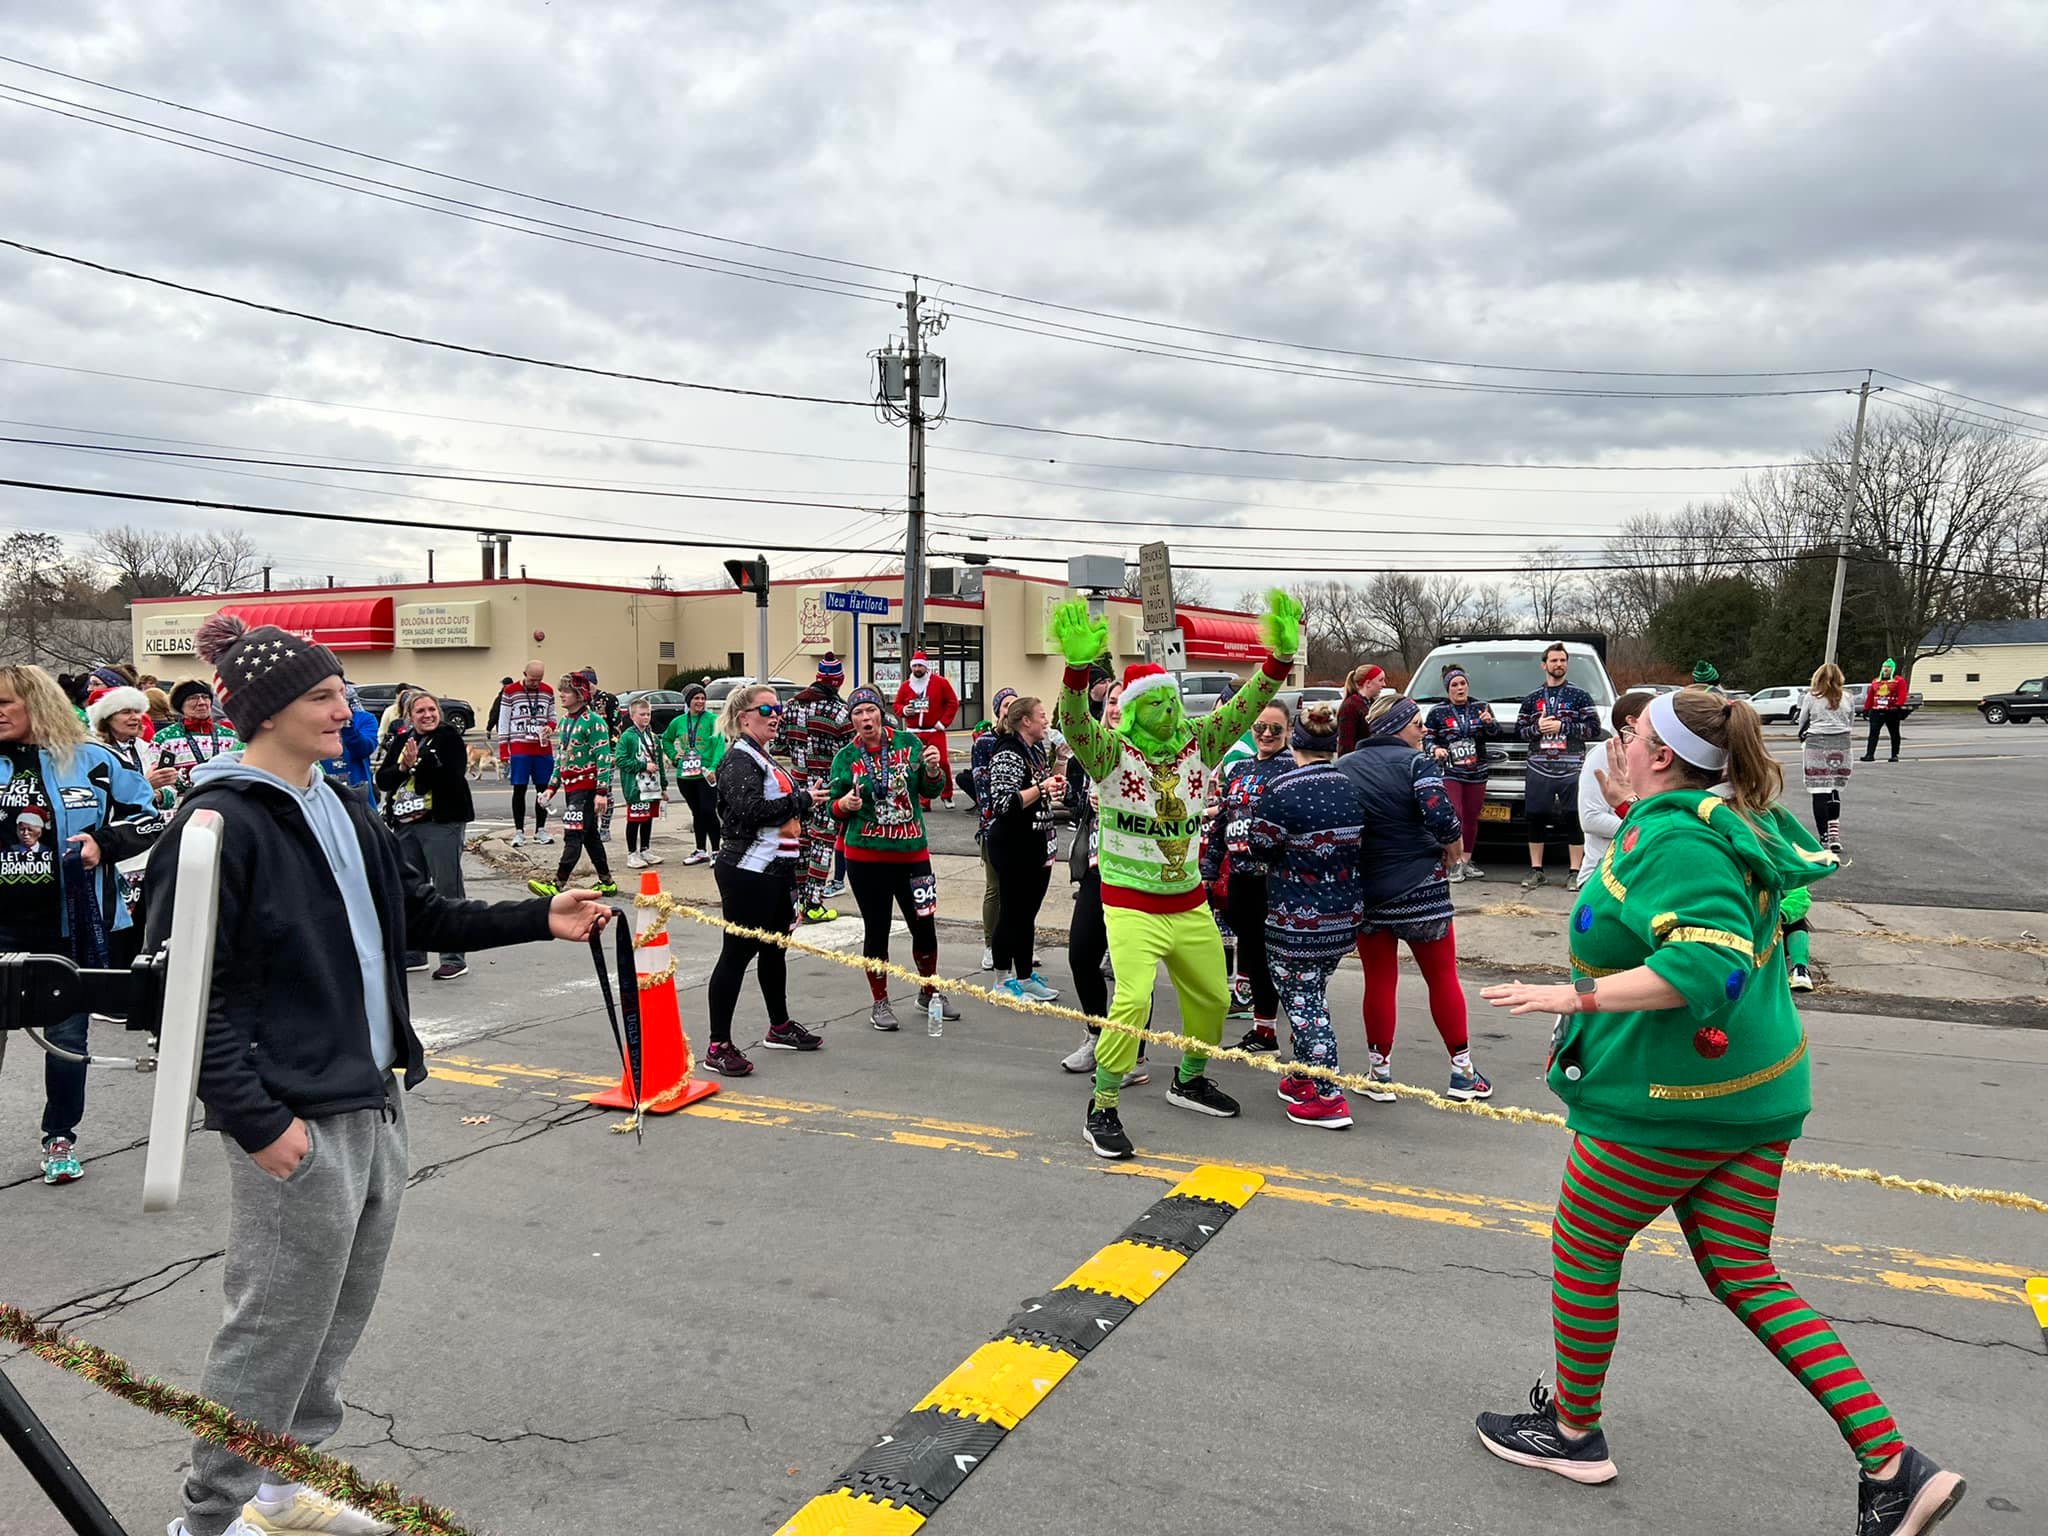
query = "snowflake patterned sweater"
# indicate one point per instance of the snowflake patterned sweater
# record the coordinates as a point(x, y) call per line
point(1305, 830)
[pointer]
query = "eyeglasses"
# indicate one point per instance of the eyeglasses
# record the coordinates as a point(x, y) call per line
point(1268, 730)
point(768, 709)
point(1626, 733)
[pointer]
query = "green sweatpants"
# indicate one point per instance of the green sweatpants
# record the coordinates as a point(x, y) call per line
point(1193, 951)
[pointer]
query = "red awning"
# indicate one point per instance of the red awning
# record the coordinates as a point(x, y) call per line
point(1209, 638)
point(345, 624)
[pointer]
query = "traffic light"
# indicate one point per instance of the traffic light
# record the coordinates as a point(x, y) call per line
point(750, 576)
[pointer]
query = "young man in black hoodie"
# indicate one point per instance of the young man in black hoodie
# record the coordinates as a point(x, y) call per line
point(308, 1049)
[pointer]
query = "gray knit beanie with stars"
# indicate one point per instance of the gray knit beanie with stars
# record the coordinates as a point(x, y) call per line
point(262, 670)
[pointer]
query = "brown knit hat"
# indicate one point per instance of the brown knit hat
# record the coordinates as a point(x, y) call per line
point(261, 671)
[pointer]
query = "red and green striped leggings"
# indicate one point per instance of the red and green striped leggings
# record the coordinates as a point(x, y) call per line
point(1726, 1204)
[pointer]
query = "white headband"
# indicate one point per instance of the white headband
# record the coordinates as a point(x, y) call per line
point(1672, 731)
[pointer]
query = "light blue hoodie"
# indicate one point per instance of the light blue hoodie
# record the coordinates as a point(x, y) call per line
point(336, 834)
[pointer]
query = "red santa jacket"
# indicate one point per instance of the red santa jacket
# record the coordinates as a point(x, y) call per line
point(935, 710)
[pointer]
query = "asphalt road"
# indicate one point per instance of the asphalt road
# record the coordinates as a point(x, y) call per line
point(1961, 820)
point(697, 1334)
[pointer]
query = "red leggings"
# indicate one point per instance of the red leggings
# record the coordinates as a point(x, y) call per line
point(1437, 959)
point(1469, 799)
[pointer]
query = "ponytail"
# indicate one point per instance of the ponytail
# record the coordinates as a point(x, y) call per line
point(1754, 779)
point(738, 704)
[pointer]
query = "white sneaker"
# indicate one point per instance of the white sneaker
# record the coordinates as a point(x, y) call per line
point(1034, 985)
point(634, 861)
point(543, 837)
point(695, 856)
point(304, 1510)
point(651, 858)
point(518, 841)
point(241, 1527)
point(1081, 1058)
point(988, 958)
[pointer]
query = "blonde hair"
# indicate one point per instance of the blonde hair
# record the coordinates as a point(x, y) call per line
point(1017, 711)
point(53, 724)
point(1827, 684)
point(1382, 704)
point(1319, 719)
point(1754, 779)
point(738, 705)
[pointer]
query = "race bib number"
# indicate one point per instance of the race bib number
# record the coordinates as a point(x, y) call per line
point(691, 767)
point(1555, 743)
point(409, 805)
point(924, 895)
point(572, 819)
point(1464, 751)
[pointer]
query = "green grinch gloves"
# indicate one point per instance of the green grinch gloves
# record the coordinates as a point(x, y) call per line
point(1280, 628)
point(1080, 636)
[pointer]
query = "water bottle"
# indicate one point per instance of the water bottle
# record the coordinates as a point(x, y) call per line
point(935, 1016)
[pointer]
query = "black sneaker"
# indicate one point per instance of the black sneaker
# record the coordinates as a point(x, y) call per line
point(1202, 1096)
point(1105, 1133)
point(725, 1058)
point(448, 970)
point(417, 963)
point(1534, 1440)
point(1260, 1037)
point(1913, 1499)
point(790, 1036)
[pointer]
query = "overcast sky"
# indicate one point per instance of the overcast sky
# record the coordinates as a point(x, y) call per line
point(1669, 188)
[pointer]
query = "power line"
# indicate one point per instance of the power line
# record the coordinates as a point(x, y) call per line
point(1943, 411)
point(425, 341)
point(1974, 400)
point(757, 272)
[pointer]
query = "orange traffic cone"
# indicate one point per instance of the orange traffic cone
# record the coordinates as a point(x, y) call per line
point(665, 1062)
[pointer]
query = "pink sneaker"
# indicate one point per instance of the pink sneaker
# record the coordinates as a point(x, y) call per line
point(1295, 1088)
point(1328, 1111)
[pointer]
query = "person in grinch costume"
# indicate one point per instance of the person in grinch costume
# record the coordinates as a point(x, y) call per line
point(1152, 774)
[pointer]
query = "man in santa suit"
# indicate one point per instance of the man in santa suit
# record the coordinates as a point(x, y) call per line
point(927, 706)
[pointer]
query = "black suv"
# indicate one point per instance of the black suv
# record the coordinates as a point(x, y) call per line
point(2029, 701)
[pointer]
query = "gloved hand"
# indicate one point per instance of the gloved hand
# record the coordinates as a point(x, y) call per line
point(1280, 627)
point(1081, 638)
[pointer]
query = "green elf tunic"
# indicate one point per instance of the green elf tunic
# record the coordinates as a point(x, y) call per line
point(1692, 889)
point(639, 773)
point(693, 745)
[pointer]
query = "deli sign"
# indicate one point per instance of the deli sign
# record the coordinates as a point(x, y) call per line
point(171, 634)
point(442, 626)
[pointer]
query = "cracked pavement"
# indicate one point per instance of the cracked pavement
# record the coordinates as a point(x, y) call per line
point(576, 1330)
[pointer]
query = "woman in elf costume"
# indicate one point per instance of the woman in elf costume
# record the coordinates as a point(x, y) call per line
point(878, 781)
point(637, 754)
point(1152, 775)
point(694, 749)
point(1684, 1068)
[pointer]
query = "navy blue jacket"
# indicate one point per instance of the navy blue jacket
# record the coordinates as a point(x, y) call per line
point(1408, 819)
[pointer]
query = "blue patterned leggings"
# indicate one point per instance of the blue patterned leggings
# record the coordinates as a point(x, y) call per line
point(1304, 986)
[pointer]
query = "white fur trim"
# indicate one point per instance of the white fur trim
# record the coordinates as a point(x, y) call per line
point(1150, 684)
point(112, 702)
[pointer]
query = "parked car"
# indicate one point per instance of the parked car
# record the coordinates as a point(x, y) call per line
point(1778, 703)
point(716, 690)
point(1502, 673)
point(1201, 692)
point(663, 703)
point(1291, 699)
point(378, 697)
point(2027, 702)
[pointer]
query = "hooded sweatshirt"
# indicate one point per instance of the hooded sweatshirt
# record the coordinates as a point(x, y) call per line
point(1692, 889)
point(336, 835)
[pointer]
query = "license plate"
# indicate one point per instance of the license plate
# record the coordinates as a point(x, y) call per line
point(1493, 810)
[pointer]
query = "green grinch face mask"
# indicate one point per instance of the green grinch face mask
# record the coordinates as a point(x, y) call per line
point(1157, 722)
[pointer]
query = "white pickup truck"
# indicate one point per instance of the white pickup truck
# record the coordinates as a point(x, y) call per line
point(1502, 674)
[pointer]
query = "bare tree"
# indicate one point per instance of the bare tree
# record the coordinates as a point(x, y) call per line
point(1396, 611)
point(1333, 615)
point(54, 610)
point(155, 562)
point(1191, 589)
point(1491, 611)
point(1548, 583)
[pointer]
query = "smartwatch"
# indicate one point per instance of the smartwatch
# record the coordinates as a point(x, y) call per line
point(1586, 986)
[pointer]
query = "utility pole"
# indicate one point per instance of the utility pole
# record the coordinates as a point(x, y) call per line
point(1848, 512)
point(913, 539)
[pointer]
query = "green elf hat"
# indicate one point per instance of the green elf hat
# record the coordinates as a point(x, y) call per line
point(1888, 668)
point(1705, 674)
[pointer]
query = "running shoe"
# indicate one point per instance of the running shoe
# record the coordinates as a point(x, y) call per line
point(240, 1527)
point(946, 1009)
point(1260, 1037)
point(301, 1509)
point(1295, 1088)
point(606, 887)
point(417, 963)
point(60, 1162)
point(543, 838)
point(1381, 1071)
point(790, 1036)
point(834, 888)
point(1800, 979)
point(651, 858)
point(1081, 1058)
point(726, 1058)
point(1534, 878)
point(1473, 871)
point(883, 1017)
point(696, 856)
point(1202, 1096)
point(1534, 1440)
point(1138, 1076)
point(1035, 985)
point(1465, 1085)
point(820, 913)
point(518, 839)
point(988, 958)
point(543, 887)
point(634, 861)
point(1014, 990)
point(1913, 1499)
point(450, 969)
point(1326, 1111)
point(1579, 878)
point(1104, 1131)
point(1240, 997)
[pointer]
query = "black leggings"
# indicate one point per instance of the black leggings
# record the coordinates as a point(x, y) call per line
point(540, 809)
point(1884, 719)
point(1021, 878)
point(583, 841)
point(1559, 824)
point(881, 891)
point(637, 835)
point(701, 795)
point(1245, 910)
point(753, 899)
point(1827, 809)
point(1087, 943)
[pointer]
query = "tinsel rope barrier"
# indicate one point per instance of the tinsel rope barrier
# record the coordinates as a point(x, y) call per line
point(666, 906)
point(281, 1455)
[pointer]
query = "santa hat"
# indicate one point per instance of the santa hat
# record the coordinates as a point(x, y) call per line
point(921, 660)
point(1143, 677)
point(106, 702)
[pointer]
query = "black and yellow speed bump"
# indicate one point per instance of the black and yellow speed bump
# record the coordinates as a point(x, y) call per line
point(900, 1481)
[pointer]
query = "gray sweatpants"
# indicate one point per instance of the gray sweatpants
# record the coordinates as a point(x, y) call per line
point(440, 846)
point(304, 1261)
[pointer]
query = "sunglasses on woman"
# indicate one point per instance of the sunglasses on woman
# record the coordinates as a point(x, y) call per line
point(1268, 730)
point(768, 709)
